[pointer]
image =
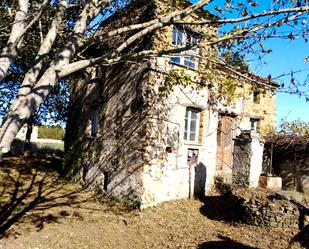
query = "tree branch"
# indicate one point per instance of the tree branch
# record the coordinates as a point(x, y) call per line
point(246, 18)
point(9, 53)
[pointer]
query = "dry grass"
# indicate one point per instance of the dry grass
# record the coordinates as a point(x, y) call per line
point(66, 216)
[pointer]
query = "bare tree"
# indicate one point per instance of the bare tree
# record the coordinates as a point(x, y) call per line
point(40, 79)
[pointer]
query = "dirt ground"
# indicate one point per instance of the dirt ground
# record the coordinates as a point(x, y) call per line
point(41, 211)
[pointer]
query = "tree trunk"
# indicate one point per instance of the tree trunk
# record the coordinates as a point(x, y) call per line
point(32, 74)
point(9, 52)
point(39, 92)
point(27, 146)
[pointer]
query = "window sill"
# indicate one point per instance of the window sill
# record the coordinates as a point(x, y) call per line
point(183, 66)
point(191, 143)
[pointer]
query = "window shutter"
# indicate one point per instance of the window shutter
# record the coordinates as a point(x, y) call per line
point(201, 127)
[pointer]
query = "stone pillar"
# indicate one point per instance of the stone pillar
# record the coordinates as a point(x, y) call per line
point(256, 160)
point(247, 160)
point(241, 160)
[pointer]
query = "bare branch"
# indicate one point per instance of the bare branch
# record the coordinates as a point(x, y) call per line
point(243, 32)
point(246, 18)
point(73, 67)
point(32, 22)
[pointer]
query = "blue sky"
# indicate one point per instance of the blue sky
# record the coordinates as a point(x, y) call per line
point(287, 55)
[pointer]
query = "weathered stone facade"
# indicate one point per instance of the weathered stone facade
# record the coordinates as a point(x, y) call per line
point(128, 132)
point(247, 160)
point(259, 104)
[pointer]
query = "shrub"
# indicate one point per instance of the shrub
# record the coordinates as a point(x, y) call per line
point(51, 132)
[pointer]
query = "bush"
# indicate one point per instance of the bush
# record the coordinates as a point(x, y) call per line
point(51, 132)
point(296, 127)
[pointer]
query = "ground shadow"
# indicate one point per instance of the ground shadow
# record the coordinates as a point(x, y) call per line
point(33, 185)
point(302, 237)
point(222, 207)
point(200, 180)
point(224, 243)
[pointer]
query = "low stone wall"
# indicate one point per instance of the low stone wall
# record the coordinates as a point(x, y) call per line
point(261, 208)
point(39, 147)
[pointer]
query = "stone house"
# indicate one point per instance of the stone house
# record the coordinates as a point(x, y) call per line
point(137, 135)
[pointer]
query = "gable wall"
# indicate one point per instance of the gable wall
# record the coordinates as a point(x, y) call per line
point(117, 149)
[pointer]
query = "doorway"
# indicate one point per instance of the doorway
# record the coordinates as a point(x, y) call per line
point(197, 174)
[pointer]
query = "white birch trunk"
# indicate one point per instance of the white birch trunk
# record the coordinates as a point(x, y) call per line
point(47, 81)
point(52, 74)
point(9, 53)
point(46, 45)
point(31, 76)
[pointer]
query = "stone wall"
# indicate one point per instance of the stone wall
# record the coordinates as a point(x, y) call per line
point(167, 174)
point(241, 160)
point(112, 159)
point(247, 160)
point(263, 109)
point(260, 208)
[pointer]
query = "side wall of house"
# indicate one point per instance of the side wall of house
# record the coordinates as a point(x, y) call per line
point(114, 101)
point(111, 159)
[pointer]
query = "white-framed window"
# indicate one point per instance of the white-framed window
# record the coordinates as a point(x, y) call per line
point(191, 124)
point(182, 38)
point(179, 37)
point(254, 124)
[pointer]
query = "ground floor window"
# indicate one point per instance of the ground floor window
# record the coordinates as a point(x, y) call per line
point(191, 124)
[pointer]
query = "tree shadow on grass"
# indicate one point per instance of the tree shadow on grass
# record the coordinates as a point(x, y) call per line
point(33, 185)
point(224, 243)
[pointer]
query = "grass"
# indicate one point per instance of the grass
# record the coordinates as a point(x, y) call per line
point(67, 216)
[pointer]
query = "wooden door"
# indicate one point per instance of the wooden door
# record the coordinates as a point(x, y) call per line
point(224, 142)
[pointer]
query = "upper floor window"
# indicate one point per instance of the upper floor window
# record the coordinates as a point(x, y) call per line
point(183, 38)
point(191, 125)
point(256, 97)
point(254, 123)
